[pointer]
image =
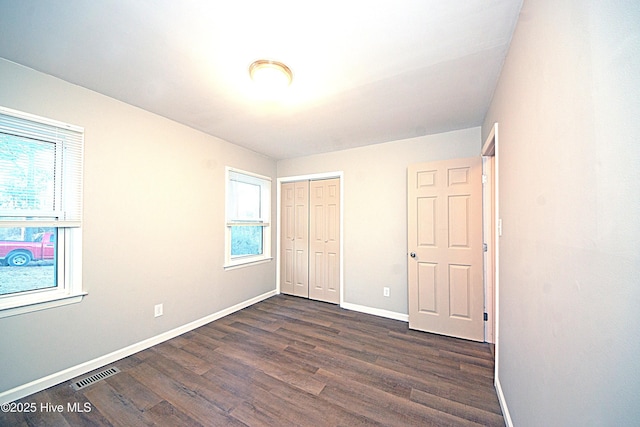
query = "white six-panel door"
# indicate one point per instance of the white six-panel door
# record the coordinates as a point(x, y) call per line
point(445, 254)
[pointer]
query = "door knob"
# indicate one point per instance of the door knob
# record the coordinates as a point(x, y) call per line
point(412, 254)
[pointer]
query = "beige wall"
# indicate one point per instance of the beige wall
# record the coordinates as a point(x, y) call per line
point(375, 209)
point(153, 230)
point(568, 109)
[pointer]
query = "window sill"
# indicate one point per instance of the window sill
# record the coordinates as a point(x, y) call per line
point(247, 263)
point(43, 303)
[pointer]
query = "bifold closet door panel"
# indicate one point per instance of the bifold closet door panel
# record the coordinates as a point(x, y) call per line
point(287, 233)
point(301, 240)
point(294, 238)
point(324, 240)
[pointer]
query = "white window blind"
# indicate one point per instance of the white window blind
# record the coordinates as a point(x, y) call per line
point(248, 208)
point(248, 195)
point(40, 171)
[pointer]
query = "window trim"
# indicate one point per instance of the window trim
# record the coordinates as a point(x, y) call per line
point(265, 206)
point(69, 230)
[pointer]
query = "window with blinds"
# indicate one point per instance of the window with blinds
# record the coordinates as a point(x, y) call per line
point(248, 207)
point(41, 168)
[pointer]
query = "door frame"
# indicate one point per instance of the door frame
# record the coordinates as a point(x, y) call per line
point(492, 230)
point(311, 177)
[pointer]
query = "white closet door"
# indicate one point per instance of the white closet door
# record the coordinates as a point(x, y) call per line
point(294, 239)
point(287, 239)
point(324, 240)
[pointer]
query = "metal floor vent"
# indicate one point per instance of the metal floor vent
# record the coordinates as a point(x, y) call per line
point(99, 376)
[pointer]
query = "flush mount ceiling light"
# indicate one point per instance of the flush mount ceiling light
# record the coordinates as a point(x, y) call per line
point(270, 74)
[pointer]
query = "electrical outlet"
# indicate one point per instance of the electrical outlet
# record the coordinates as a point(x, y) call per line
point(157, 310)
point(385, 291)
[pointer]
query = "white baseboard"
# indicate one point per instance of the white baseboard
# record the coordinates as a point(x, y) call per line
point(503, 403)
point(376, 311)
point(74, 371)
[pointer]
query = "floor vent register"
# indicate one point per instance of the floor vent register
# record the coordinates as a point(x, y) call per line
point(91, 379)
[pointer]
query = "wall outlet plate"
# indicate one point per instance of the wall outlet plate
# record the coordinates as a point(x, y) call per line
point(385, 291)
point(157, 310)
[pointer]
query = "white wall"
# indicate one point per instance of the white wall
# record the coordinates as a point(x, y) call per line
point(568, 105)
point(153, 230)
point(375, 209)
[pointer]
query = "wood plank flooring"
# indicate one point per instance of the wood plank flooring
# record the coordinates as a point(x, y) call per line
point(287, 361)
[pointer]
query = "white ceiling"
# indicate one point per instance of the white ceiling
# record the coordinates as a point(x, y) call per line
point(365, 72)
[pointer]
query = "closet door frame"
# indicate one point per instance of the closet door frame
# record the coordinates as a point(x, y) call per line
point(310, 177)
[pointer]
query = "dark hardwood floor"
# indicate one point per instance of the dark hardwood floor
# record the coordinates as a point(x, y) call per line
point(287, 361)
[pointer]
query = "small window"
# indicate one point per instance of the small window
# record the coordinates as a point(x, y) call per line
point(248, 206)
point(40, 212)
